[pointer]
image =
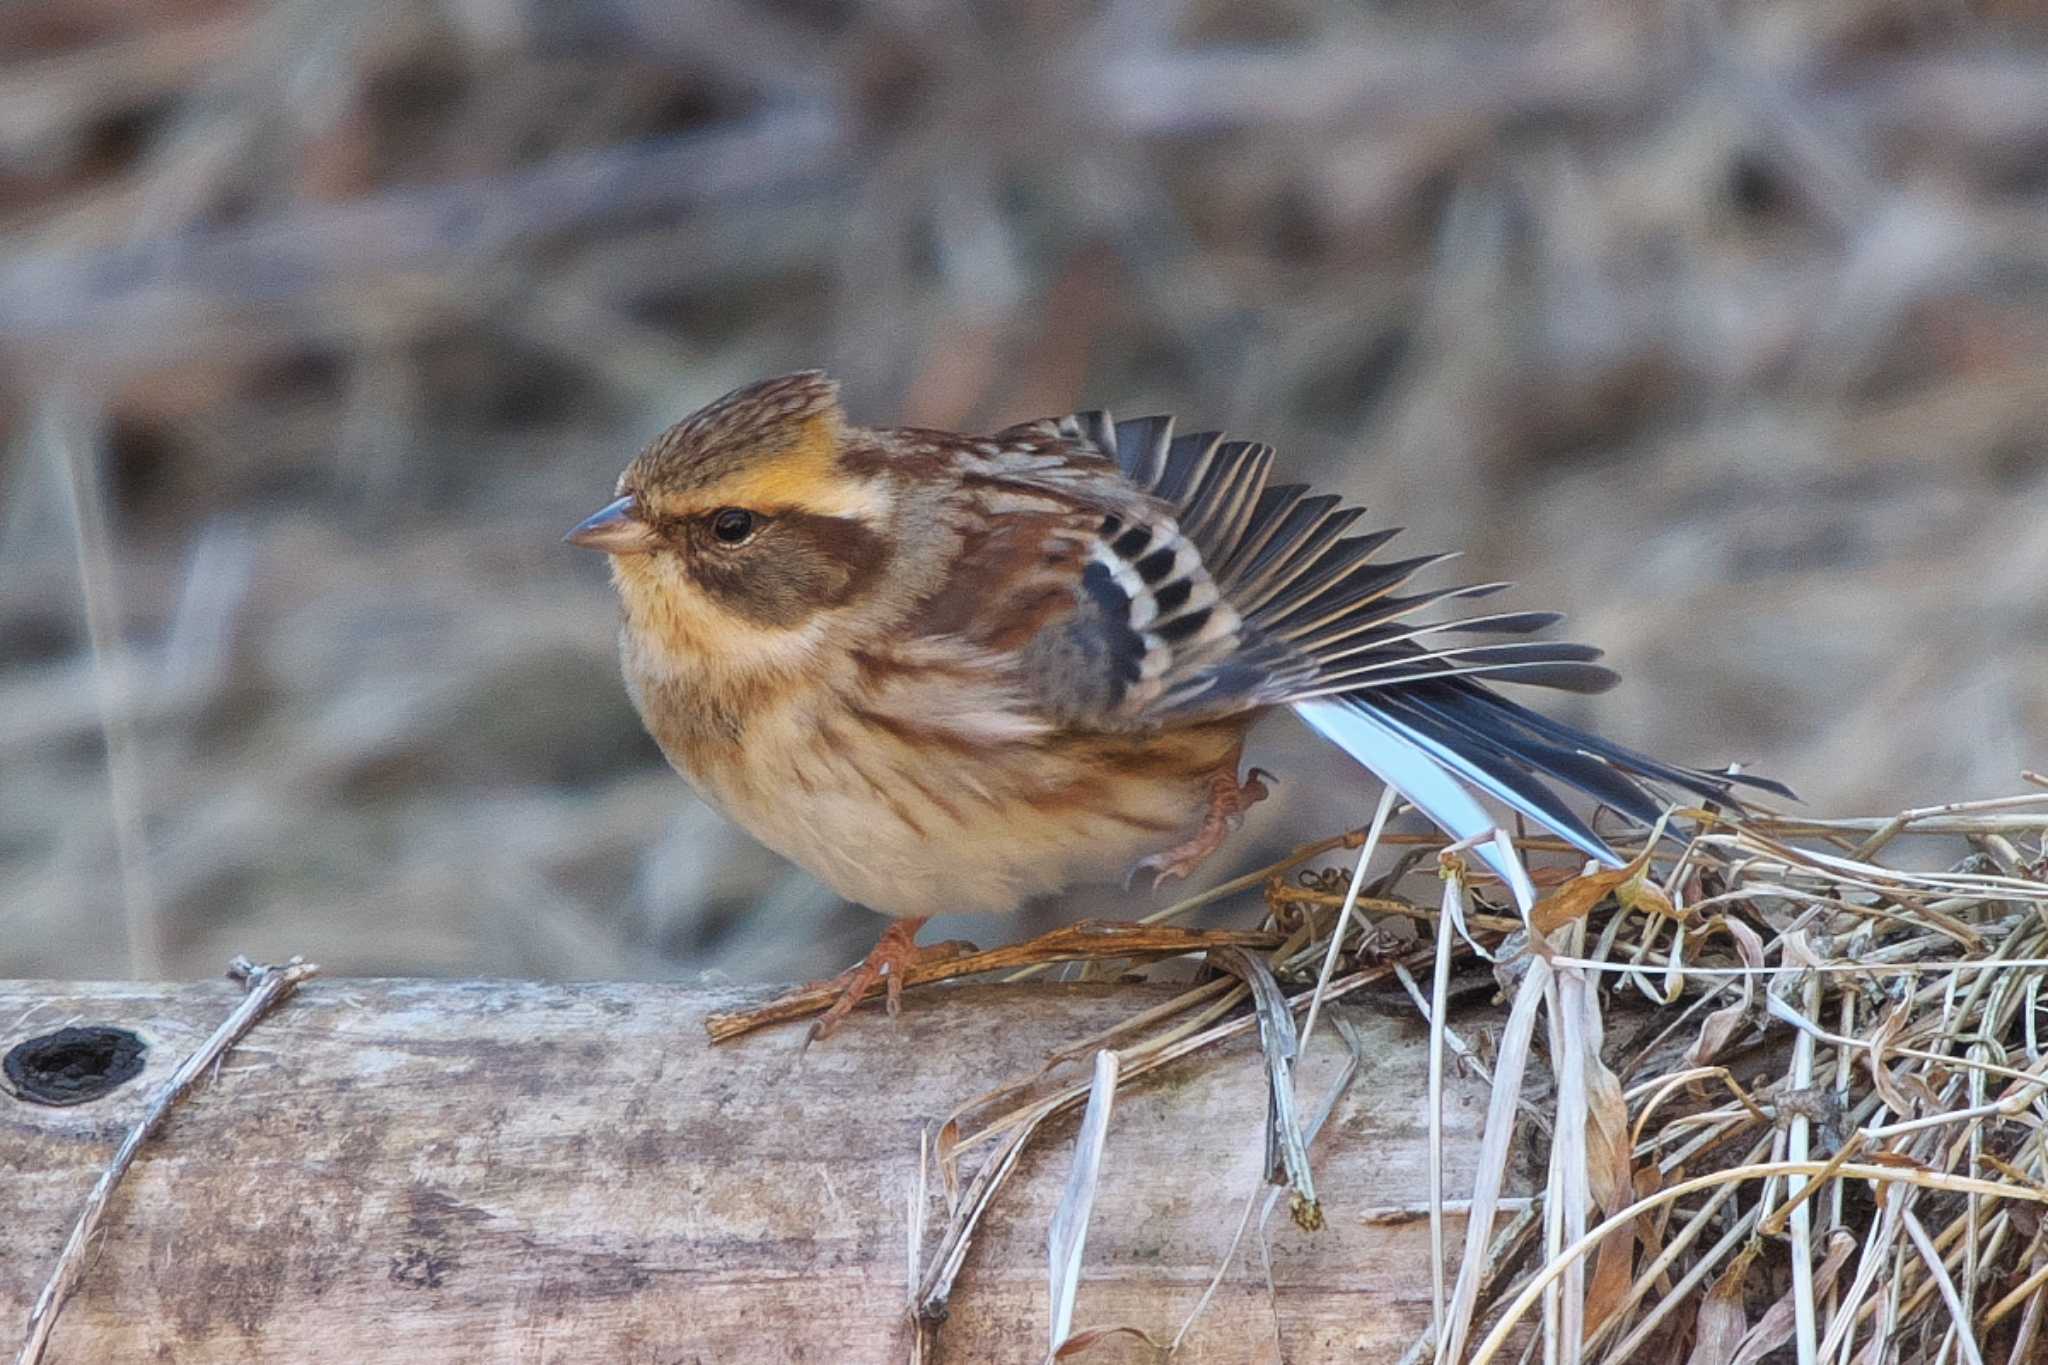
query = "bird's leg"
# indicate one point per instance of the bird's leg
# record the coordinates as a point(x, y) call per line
point(896, 954)
point(1229, 799)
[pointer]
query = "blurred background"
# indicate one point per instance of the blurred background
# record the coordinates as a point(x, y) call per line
point(1723, 326)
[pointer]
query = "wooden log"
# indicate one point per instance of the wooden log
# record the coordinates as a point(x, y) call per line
point(495, 1171)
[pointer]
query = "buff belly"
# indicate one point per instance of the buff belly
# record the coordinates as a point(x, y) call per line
point(908, 833)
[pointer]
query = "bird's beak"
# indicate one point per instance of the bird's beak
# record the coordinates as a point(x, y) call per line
point(615, 530)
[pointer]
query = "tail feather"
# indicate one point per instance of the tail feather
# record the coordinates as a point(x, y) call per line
point(1498, 770)
point(1416, 768)
point(1468, 737)
point(1574, 767)
point(1474, 699)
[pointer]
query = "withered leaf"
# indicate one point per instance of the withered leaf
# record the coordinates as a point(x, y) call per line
point(1722, 1323)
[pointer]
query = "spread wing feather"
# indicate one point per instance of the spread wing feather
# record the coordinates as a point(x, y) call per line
point(1233, 593)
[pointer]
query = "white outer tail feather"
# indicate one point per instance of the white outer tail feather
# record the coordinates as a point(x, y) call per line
point(1435, 780)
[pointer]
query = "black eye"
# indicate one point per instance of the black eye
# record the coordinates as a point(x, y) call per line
point(732, 524)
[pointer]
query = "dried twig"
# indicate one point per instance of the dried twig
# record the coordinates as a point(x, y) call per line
point(1286, 1149)
point(1878, 991)
point(267, 986)
point(1069, 1232)
point(1087, 941)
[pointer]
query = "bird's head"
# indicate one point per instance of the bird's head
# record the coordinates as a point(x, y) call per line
point(740, 527)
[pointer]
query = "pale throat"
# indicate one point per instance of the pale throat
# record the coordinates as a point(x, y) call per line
point(674, 633)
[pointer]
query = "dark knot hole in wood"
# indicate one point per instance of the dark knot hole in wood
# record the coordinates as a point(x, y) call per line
point(74, 1065)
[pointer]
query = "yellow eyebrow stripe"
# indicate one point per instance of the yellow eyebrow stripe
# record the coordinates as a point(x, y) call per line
point(805, 476)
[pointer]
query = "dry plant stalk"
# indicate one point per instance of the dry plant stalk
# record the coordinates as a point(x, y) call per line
point(1874, 1174)
point(1086, 941)
point(1763, 1067)
point(267, 987)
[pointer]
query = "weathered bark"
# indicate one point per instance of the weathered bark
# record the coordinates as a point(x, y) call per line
point(493, 1171)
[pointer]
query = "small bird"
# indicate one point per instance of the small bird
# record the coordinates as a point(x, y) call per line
point(948, 673)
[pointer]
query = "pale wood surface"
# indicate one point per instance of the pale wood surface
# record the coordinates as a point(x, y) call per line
point(495, 1171)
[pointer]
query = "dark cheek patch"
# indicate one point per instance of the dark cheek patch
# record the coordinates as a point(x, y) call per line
point(799, 565)
point(764, 592)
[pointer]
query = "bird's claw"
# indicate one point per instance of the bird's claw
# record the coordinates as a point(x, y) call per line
point(1229, 799)
point(894, 956)
point(1161, 868)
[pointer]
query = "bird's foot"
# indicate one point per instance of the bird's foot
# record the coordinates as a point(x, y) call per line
point(894, 956)
point(1229, 799)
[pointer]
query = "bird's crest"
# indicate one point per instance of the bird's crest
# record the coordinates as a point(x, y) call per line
point(763, 445)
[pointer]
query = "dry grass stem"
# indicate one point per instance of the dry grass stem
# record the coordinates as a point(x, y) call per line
point(1084, 942)
point(1068, 1235)
point(1286, 1148)
point(267, 987)
point(1755, 1061)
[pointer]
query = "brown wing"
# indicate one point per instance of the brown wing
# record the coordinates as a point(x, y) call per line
point(1194, 589)
point(1136, 581)
point(1217, 591)
point(1027, 590)
point(1128, 580)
